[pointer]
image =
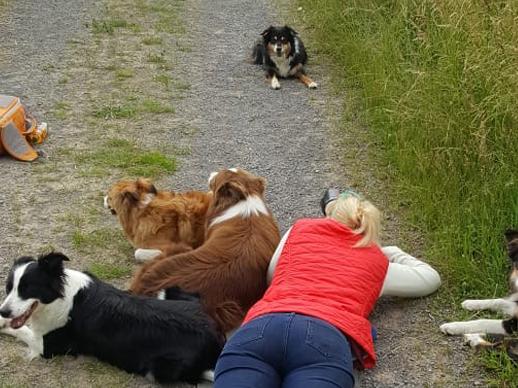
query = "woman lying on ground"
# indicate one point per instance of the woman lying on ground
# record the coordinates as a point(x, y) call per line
point(313, 318)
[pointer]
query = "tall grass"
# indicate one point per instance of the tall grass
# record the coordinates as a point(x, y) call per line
point(439, 87)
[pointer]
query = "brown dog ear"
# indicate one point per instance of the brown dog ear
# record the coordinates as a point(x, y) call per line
point(146, 185)
point(261, 185)
point(130, 196)
point(232, 190)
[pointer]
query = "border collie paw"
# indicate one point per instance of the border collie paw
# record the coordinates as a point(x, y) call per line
point(275, 84)
point(452, 328)
point(471, 305)
point(313, 85)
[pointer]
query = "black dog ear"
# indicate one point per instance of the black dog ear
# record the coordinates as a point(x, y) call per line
point(267, 32)
point(291, 31)
point(512, 244)
point(511, 234)
point(52, 262)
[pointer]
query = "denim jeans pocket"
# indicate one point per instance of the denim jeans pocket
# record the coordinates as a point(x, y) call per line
point(251, 331)
point(327, 340)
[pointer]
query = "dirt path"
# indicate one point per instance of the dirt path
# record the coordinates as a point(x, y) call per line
point(225, 115)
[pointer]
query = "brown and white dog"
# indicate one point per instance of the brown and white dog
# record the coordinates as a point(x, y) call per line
point(163, 221)
point(230, 268)
point(475, 331)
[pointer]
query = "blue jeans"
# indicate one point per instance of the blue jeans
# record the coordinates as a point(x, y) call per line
point(285, 350)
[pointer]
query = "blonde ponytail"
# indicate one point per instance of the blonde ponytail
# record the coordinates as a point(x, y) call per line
point(357, 214)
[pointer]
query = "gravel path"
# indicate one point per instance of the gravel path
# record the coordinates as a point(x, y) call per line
point(235, 120)
point(287, 137)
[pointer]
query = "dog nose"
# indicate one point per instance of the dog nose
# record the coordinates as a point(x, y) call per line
point(279, 49)
point(5, 313)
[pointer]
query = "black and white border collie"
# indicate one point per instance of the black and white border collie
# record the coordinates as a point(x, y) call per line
point(58, 311)
point(475, 331)
point(282, 54)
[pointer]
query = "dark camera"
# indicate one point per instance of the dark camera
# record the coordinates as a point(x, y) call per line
point(330, 194)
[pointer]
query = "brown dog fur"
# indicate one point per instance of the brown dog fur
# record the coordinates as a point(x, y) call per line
point(168, 221)
point(230, 267)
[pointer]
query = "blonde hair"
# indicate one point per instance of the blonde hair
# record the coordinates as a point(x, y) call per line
point(357, 214)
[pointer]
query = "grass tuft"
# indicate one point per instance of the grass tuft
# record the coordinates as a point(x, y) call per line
point(115, 112)
point(110, 271)
point(108, 26)
point(156, 58)
point(122, 74)
point(153, 106)
point(152, 41)
point(127, 157)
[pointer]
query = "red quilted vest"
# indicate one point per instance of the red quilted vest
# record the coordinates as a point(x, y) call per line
point(320, 274)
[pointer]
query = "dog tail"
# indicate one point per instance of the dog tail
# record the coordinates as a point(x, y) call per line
point(227, 315)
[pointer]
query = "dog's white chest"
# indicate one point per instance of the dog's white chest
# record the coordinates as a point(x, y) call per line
point(282, 64)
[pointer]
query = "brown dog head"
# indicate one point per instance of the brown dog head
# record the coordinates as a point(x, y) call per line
point(512, 248)
point(232, 186)
point(126, 195)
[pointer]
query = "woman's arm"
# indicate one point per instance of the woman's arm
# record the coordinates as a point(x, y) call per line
point(407, 276)
point(275, 257)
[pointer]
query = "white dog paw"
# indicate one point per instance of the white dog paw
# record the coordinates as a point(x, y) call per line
point(275, 84)
point(453, 328)
point(471, 305)
point(143, 255)
point(313, 85)
point(30, 355)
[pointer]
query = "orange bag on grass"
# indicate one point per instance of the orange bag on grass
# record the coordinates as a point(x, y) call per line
point(18, 130)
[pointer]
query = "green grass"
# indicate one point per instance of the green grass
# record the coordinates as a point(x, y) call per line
point(128, 158)
point(125, 111)
point(436, 82)
point(108, 26)
point(156, 58)
point(61, 110)
point(503, 371)
point(169, 23)
point(152, 41)
point(163, 79)
point(110, 271)
point(123, 74)
point(153, 106)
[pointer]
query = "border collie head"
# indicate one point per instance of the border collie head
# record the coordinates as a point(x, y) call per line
point(232, 186)
point(129, 194)
point(30, 283)
point(279, 41)
point(512, 248)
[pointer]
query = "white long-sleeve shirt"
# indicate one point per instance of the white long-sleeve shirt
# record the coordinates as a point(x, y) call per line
point(406, 276)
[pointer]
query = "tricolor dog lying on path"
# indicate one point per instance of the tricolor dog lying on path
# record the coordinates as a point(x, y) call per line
point(282, 54)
